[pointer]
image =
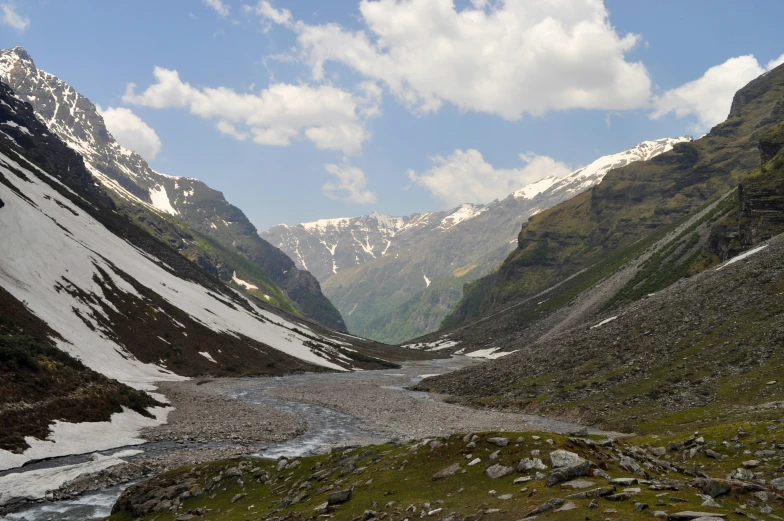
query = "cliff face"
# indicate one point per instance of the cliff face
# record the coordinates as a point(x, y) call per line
point(758, 213)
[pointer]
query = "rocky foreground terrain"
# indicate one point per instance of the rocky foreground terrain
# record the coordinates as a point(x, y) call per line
point(727, 472)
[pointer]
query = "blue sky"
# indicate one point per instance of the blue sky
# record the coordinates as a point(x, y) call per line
point(412, 105)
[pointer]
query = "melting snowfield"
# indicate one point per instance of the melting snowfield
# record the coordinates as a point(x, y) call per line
point(52, 252)
point(80, 438)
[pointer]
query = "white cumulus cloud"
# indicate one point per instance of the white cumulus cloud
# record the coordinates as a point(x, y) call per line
point(465, 177)
point(131, 132)
point(331, 118)
point(350, 185)
point(506, 58)
point(13, 19)
point(709, 97)
point(218, 6)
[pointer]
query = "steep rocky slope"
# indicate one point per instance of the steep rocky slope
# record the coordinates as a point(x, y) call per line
point(630, 203)
point(700, 350)
point(395, 278)
point(684, 327)
point(184, 212)
point(126, 304)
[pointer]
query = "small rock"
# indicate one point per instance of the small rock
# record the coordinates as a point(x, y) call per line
point(621, 496)
point(555, 502)
point(688, 515)
point(577, 484)
point(498, 441)
point(474, 462)
point(498, 471)
point(567, 506)
point(505, 496)
point(564, 458)
point(528, 464)
point(237, 497)
point(341, 496)
point(741, 474)
point(447, 472)
point(709, 501)
point(623, 482)
point(594, 493)
point(639, 507)
point(712, 487)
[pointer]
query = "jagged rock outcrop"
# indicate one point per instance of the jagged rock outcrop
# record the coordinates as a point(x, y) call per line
point(758, 211)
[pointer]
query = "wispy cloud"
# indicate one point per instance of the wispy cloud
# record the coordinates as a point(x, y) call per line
point(13, 19)
point(219, 7)
point(351, 185)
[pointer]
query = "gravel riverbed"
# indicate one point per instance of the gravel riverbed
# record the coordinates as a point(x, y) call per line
point(282, 416)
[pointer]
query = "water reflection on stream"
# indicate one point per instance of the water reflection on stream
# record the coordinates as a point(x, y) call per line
point(326, 428)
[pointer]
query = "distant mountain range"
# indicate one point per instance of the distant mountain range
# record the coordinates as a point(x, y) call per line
point(184, 212)
point(395, 278)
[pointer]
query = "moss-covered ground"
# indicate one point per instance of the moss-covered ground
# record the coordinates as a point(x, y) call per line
point(389, 479)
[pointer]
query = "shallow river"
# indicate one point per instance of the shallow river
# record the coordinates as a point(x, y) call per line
point(326, 428)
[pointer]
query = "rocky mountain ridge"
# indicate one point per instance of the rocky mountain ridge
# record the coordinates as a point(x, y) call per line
point(182, 211)
point(395, 278)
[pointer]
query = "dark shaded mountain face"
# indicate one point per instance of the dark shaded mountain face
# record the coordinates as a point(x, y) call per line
point(184, 212)
point(685, 328)
point(396, 278)
point(124, 303)
point(629, 204)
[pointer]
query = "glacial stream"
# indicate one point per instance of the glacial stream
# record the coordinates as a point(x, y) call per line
point(326, 428)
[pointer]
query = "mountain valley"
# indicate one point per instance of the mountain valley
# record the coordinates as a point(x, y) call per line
point(396, 278)
point(602, 345)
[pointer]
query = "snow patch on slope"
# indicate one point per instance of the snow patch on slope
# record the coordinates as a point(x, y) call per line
point(462, 213)
point(160, 200)
point(79, 438)
point(244, 283)
point(742, 256)
point(43, 264)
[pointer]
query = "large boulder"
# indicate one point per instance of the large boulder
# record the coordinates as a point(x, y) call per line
point(341, 496)
point(712, 487)
point(566, 466)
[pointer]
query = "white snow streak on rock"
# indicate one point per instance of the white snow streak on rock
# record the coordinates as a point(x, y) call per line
point(208, 356)
point(160, 200)
point(742, 256)
point(603, 322)
point(491, 353)
point(245, 284)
